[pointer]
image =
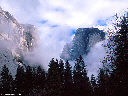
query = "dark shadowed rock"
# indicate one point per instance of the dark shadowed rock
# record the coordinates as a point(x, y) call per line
point(83, 40)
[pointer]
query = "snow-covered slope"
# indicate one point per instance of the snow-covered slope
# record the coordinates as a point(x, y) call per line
point(15, 40)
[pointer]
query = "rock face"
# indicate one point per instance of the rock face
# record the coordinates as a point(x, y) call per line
point(83, 40)
point(15, 39)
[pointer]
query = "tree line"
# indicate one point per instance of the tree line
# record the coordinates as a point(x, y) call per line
point(60, 80)
point(63, 80)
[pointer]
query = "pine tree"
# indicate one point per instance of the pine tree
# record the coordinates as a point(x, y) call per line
point(20, 80)
point(38, 81)
point(121, 62)
point(77, 74)
point(81, 81)
point(28, 80)
point(85, 80)
point(61, 70)
point(77, 79)
point(41, 77)
point(68, 90)
point(7, 81)
point(93, 85)
point(101, 82)
point(119, 74)
point(53, 79)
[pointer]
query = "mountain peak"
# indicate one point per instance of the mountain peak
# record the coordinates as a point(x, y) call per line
point(83, 40)
point(17, 39)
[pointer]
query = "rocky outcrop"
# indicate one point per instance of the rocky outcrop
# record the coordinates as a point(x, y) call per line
point(15, 39)
point(83, 40)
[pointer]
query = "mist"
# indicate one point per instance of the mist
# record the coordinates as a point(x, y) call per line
point(55, 23)
point(94, 58)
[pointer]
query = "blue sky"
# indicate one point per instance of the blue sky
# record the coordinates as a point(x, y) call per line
point(102, 22)
point(57, 20)
point(73, 13)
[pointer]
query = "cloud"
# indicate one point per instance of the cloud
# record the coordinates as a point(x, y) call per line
point(75, 13)
point(95, 57)
point(57, 19)
point(52, 40)
point(23, 10)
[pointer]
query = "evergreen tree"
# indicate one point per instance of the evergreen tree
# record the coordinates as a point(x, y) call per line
point(119, 58)
point(28, 80)
point(53, 79)
point(68, 90)
point(93, 85)
point(121, 62)
point(61, 70)
point(41, 77)
point(103, 84)
point(20, 80)
point(77, 73)
point(81, 81)
point(38, 81)
point(6, 81)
